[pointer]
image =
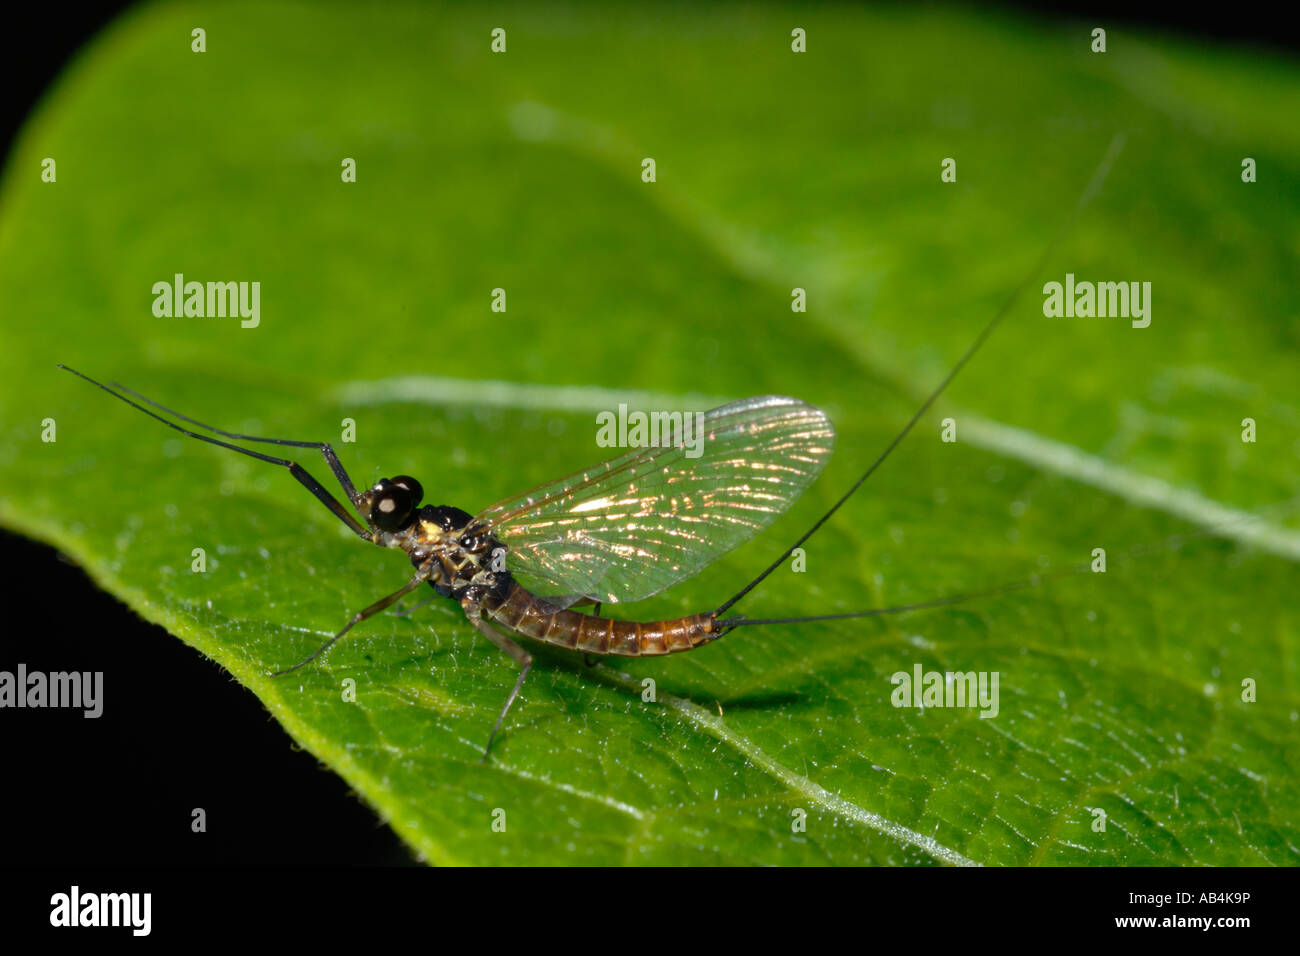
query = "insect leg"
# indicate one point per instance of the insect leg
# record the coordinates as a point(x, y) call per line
point(295, 469)
point(521, 656)
point(331, 459)
point(357, 618)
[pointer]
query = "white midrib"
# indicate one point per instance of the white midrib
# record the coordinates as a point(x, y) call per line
point(537, 122)
point(1006, 440)
point(813, 793)
point(1047, 454)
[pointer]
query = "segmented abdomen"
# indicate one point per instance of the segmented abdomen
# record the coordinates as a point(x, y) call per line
point(525, 613)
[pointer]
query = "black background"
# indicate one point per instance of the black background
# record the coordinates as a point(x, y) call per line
point(119, 790)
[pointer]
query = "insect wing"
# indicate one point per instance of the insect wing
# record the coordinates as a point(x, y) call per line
point(633, 526)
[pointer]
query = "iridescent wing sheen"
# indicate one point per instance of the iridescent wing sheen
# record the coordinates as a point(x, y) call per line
point(632, 526)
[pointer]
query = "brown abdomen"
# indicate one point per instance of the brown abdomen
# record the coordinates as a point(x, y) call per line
point(525, 613)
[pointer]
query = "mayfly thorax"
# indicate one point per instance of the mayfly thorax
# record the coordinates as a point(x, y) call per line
point(618, 532)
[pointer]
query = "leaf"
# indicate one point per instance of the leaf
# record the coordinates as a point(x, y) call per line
point(1119, 692)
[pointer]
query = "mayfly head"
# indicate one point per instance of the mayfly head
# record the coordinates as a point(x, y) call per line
point(393, 502)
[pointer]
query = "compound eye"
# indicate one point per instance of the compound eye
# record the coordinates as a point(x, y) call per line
point(391, 507)
point(413, 486)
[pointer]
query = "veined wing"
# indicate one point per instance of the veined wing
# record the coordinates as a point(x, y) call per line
point(633, 526)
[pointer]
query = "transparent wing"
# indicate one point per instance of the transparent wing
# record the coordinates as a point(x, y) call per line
point(632, 526)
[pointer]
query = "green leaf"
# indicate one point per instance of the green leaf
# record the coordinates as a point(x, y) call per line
point(1119, 692)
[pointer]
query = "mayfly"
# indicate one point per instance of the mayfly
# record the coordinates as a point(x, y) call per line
point(618, 532)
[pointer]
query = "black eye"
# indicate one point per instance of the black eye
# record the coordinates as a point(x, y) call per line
point(411, 485)
point(391, 506)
